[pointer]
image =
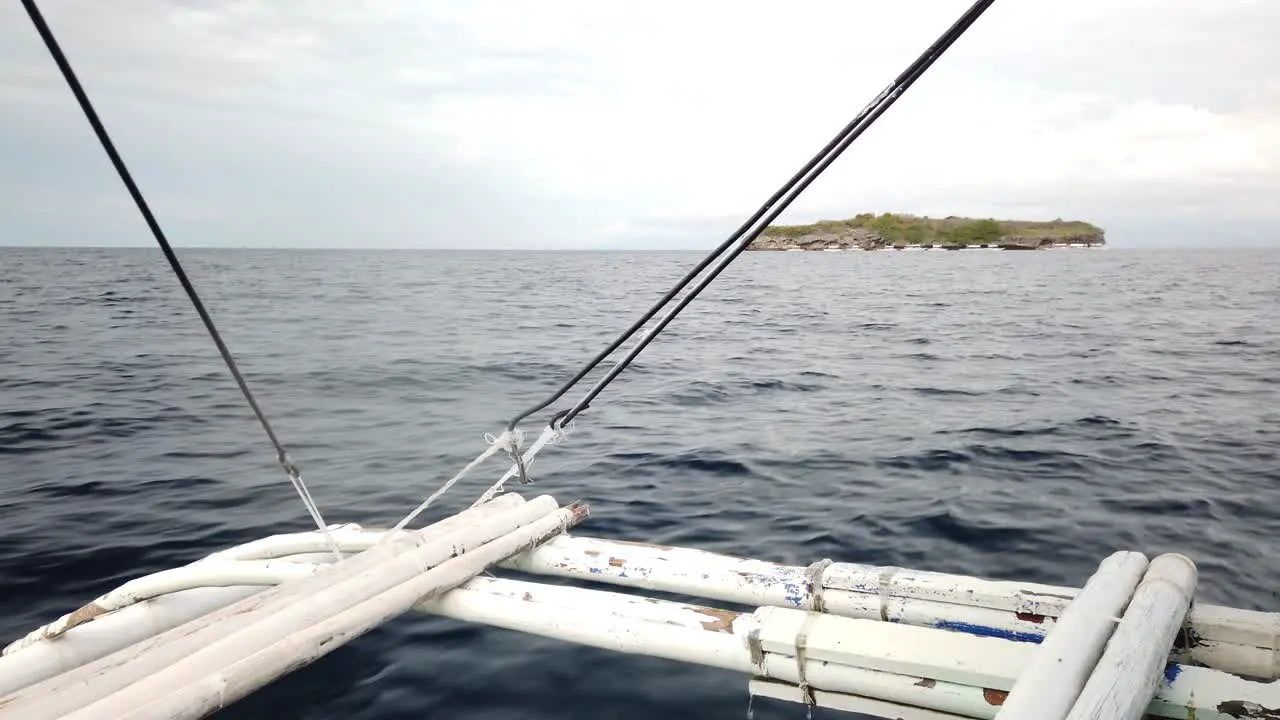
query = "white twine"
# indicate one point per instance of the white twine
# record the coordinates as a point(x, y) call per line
point(314, 510)
point(507, 441)
point(550, 436)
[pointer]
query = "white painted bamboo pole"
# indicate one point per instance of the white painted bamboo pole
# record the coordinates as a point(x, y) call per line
point(1246, 651)
point(203, 688)
point(758, 687)
point(666, 569)
point(677, 631)
point(697, 634)
point(269, 614)
point(109, 633)
point(970, 619)
point(260, 573)
point(1126, 678)
point(641, 565)
point(1049, 687)
point(349, 537)
point(600, 619)
point(968, 701)
point(351, 565)
point(694, 634)
point(1235, 640)
point(893, 648)
point(704, 636)
point(671, 569)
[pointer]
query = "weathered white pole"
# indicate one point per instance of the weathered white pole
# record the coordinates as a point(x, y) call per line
point(1125, 679)
point(110, 633)
point(1230, 639)
point(300, 542)
point(268, 615)
point(200, 685)
point(1049, 687)
point(857, 704)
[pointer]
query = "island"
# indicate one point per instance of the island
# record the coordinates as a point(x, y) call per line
point(894, 231)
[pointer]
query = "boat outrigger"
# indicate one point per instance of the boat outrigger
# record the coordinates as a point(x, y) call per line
point(1132, 642)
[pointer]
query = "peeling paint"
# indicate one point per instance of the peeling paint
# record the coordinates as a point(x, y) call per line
point(617, 562)
point(1030, 617)
point(993, 696)
point(926, 683)
point(721, 620)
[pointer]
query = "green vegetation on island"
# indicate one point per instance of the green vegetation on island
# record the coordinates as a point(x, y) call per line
point(869, 231)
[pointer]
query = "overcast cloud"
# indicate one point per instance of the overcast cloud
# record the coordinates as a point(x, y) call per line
point(659, 124)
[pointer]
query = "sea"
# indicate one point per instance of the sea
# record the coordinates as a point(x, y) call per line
point(1014, 415)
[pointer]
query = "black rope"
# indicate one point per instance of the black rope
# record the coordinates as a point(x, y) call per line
point(760, 220)
point(51, 43)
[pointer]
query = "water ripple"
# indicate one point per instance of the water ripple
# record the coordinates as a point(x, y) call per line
point(1014, 415)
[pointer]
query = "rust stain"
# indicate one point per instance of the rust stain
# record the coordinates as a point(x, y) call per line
point(721, 620)
point(79, 617)
point(994, 697)
point(1029, 617)
point(926, 683)
point(617, 562)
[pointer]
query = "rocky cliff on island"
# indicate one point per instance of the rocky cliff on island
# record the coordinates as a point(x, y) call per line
point(892, 231)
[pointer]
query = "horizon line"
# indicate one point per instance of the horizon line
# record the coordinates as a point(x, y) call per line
point(505, 248)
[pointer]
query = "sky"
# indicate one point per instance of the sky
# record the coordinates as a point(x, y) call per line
point(663, 124)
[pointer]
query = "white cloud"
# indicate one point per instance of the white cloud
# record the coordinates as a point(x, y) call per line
point(596, 121)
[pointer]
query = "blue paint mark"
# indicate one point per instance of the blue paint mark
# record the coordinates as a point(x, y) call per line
point(1171, 673)
point(793, 594)
point(595, 571)
point(985, 631)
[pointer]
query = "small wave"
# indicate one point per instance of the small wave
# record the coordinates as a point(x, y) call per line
point(937, 391)
point(1004, 432)
point(702, 462)
point(953, 528)
point(929, 460)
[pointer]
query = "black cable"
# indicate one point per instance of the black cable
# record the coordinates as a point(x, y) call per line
point(52, 44)
point(761, 219)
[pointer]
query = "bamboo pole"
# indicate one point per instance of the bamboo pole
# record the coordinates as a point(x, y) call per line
point(267, 614)
point(1229, 639)
point(333, 574)
point(209, 681)
point(1049, 687)
point(719, 638)
point(1122, 685)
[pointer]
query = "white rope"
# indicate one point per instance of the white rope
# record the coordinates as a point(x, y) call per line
point(507, 441)
point(550, 435)
point(314, 510)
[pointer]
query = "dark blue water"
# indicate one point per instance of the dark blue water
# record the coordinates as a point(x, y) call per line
point(1014, 415)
